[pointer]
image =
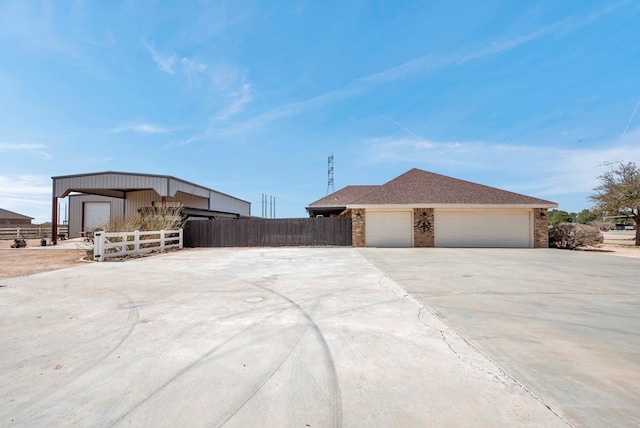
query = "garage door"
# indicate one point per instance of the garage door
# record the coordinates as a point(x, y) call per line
point(485, 228)
point(388, 229)
point(96, 214)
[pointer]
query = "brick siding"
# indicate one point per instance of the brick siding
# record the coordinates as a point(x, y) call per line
point(423, 235)
point(540, 228)
point(358, 227)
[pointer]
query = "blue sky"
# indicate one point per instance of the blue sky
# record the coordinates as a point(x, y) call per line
point(251, 97)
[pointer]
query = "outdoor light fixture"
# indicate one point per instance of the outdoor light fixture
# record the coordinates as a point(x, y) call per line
point(424, 224)
point(543, 214)
point(358, 214)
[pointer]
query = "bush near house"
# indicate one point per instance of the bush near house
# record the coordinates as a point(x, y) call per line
point(569, 236)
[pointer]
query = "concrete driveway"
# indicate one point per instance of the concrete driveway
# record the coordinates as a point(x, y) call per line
point(292, 337)
point(565, 324)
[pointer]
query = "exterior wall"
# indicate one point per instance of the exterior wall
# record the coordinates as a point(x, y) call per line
point(229, 204)
point(423, 233)
point(11, 222)
point(176, 186)
point(145, 198)
point(76, 204)
point(358, 227)
point(540, 228)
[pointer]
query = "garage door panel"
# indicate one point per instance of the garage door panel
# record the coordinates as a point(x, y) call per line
point(507, 229)
point(389, 229)
point(96, 214)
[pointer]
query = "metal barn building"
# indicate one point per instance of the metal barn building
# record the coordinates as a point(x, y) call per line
point(95, 199)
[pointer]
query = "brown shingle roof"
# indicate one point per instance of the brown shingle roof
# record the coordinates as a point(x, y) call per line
point(422, 187)
point(344, 196)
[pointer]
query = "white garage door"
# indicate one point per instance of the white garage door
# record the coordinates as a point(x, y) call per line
point(483, 228)
point(388, 229)
point(96, 214)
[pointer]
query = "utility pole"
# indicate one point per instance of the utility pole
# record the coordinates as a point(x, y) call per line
point(330, 188)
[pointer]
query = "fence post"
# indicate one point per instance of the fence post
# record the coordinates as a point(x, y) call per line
point(136, 242)
point(98, 246)
point(162, 243)
point(17, 233)
point(180, 237)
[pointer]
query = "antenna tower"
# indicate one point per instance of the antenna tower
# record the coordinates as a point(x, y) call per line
point(330, 188)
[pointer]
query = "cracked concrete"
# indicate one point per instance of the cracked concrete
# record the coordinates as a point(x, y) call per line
point(563, 324)
point(242, 337)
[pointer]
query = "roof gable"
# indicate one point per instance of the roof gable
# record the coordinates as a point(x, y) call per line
point(422, 187)
point(344, 196)
point(6, 214)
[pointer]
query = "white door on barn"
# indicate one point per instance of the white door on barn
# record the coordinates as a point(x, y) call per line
point(499, 228)
point(96, 214)
point(388, 229)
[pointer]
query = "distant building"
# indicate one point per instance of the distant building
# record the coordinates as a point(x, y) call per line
point(96, 199)
point(11, 219)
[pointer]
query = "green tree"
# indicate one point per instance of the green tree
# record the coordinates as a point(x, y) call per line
point(619, 193)
point(586, 216)
point(559, 216)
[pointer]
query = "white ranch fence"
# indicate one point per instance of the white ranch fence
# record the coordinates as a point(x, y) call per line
point(32, 232)
point(119, 244)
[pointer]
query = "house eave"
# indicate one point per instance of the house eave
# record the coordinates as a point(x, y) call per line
point(450, 206)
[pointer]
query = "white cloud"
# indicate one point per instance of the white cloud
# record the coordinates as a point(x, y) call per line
point(537, 170)
point(419, 65)
point(33, 148)
point(141, 128)
point(165, 62)
point(28, 195)
point(239, 99)
point(11, 146)
point(192, 69)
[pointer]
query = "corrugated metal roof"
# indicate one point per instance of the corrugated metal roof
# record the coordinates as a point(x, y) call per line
point(10, 215)
point(116, 184)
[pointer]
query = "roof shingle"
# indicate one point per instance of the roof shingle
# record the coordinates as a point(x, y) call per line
point(344, 196)
point(422, 187)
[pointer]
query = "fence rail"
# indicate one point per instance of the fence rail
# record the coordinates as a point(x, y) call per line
point(32, 232)
point(119, 244)
point(269, 232)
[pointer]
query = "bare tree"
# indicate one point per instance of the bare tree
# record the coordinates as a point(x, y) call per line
point(619, 193)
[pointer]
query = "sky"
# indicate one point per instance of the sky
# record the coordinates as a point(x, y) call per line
point(251, 97)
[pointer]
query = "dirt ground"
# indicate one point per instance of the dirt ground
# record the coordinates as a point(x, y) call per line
point(34, 258)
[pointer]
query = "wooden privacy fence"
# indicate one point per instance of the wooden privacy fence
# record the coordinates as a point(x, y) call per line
point(118, 244)
point(289, 232)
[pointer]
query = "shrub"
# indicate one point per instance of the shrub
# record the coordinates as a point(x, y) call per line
point(570, 236)
point(157, 218)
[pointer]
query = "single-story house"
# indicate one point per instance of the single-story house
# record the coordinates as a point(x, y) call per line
point(424, 209)
point(95, 199)
point(11, 219)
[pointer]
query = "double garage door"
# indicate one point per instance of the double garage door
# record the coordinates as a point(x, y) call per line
point(453, 228)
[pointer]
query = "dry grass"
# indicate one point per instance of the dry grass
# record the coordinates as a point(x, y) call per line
point(160, 218)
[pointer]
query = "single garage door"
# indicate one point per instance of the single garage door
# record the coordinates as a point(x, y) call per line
point(96, 214)
point(483, 228)
point(388, 229)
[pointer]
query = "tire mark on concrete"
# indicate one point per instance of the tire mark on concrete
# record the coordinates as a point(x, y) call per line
point(193, 365)
point(132, 317)
point(335, 398)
